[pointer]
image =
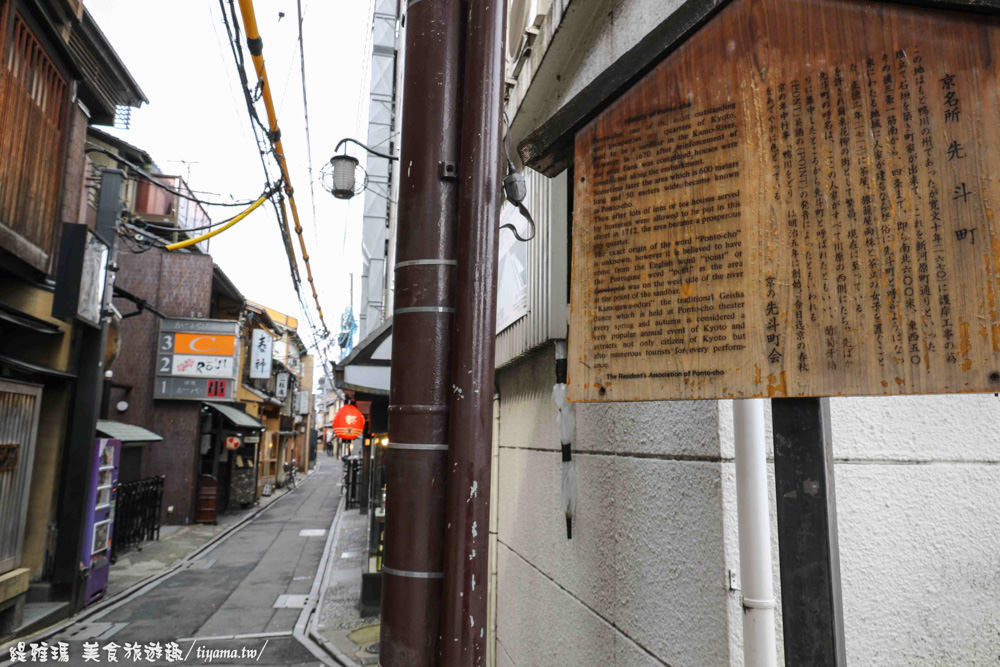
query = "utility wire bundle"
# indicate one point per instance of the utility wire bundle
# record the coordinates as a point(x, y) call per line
point(269, 141)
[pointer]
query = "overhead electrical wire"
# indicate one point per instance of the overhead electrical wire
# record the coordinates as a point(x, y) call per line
point(255, 45)
point(198, 239)
point(151, 178)
point(305, 113)
point(263, 146)
point(173, 228)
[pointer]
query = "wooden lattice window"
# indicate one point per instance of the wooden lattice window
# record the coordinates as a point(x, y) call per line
point(32, 110)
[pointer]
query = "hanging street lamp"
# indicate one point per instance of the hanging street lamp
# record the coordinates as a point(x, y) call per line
point(339, 176)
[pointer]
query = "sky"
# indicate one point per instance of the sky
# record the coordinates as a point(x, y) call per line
point(196, 125)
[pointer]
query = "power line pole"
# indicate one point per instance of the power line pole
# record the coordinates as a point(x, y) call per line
point(467, 539)
point(422, 323)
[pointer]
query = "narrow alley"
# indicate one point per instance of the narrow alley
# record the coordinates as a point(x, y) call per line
point(239, 600)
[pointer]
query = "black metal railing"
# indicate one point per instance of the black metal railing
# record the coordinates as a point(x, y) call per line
point(352, 483)
point(137, 514)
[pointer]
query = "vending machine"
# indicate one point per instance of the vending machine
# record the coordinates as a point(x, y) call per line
point(99, 524)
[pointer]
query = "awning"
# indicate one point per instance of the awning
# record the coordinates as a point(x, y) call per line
point(367, 369)
point(235, 416)
point(125, 432)
point(263, 396)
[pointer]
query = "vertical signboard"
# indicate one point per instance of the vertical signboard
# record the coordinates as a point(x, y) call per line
point(261, 346)
point(512, 270)
point(798, 201)
point(196, 360)
point(281, 385)
point(302, 402)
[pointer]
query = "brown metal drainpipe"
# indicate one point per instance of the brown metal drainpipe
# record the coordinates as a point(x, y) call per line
point(467, 538)
point(423, 314)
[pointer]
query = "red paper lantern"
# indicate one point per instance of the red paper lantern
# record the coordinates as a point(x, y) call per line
point(349, 423)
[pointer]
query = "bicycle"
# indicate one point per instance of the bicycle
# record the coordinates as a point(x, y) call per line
point(290, 474)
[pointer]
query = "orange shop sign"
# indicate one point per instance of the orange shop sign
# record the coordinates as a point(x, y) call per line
point(204, 343)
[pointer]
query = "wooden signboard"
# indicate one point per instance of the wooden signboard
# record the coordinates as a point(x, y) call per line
point(799, 201)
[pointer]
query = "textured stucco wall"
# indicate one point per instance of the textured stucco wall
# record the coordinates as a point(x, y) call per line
point(642, 581)
point(644, 577)
point(918, 486)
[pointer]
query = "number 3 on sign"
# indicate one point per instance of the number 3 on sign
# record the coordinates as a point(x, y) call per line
point(217, 388)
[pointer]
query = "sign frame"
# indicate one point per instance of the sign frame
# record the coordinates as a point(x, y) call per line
point(201, 342)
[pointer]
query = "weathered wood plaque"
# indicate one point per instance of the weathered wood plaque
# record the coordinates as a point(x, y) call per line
point(799, 201)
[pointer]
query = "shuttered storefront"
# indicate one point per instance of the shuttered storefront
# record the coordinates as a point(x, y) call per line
point(19, 408)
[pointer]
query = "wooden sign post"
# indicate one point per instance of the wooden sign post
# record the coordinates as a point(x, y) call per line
point(798, 201)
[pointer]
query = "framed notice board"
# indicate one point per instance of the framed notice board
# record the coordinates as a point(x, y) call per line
point(800, 200)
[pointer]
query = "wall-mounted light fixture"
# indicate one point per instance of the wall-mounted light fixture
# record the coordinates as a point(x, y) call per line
point(340, 175)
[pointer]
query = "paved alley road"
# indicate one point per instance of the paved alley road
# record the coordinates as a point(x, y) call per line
point(239, 601)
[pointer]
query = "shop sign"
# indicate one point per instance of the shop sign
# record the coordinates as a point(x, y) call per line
point(794, 204)
point(302, 402)
point(196, 360)
point(261, 346)
point(512, 272)
point(281, 385)
point(82, 274)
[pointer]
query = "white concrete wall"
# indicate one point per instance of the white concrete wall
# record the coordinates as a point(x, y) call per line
point(918, 492)
point(643, 581)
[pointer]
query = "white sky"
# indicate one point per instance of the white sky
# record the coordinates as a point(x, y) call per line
point(196, 125)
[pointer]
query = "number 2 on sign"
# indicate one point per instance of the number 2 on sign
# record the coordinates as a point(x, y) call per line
point(217, 388)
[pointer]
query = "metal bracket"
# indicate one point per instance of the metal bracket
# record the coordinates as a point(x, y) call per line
point(447, 170)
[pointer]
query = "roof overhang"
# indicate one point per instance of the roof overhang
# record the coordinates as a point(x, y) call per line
point(234, 416)
point(127, 433)
point(367, 369)
point(221, 284)
point(107, 83)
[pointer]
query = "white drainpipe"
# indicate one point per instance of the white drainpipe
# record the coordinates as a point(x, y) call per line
point(759, 644)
